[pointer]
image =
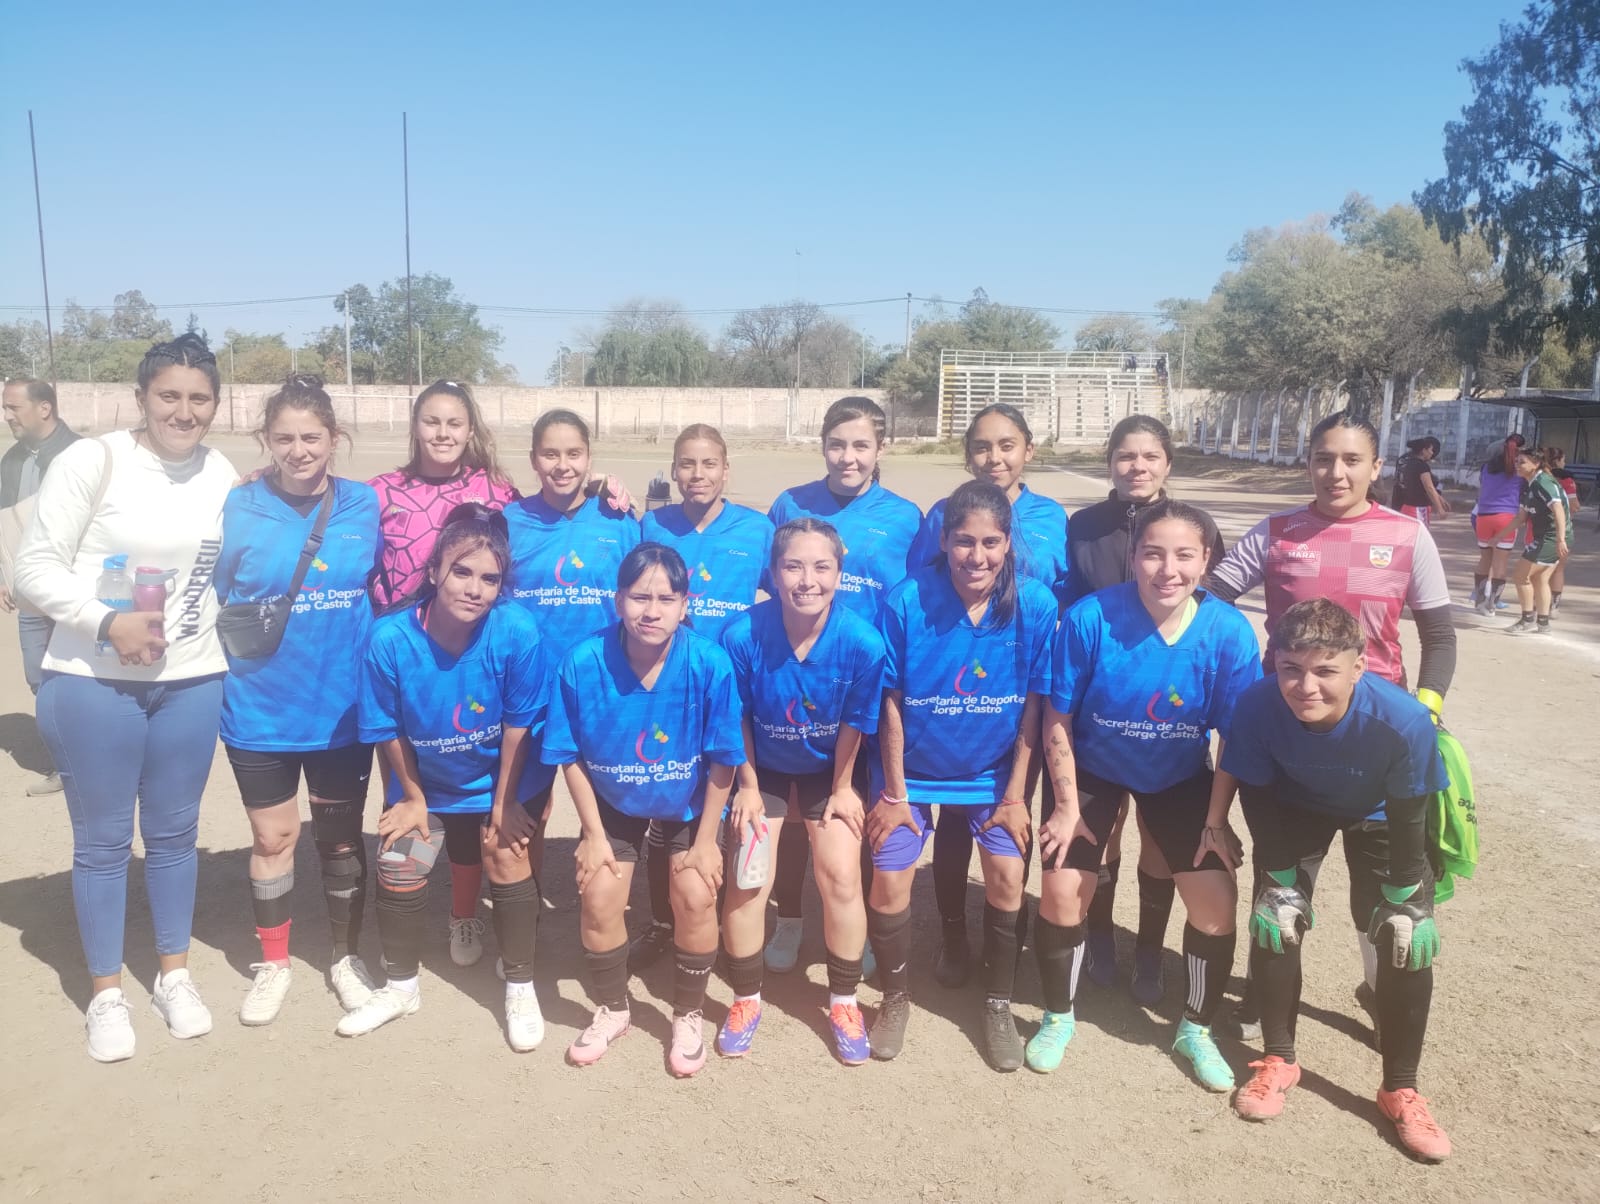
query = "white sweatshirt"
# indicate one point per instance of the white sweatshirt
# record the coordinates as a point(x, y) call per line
point(157, 522)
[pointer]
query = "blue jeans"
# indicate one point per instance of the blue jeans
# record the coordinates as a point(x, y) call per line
point(118, 744)
point(33, 632)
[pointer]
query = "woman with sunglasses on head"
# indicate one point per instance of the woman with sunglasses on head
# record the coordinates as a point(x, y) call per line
point(1144, 672)
point(725, 546)
point(1100, 550)
point(454, 695)
point(130, 700)
point(968, 667)
point(810, 677)
point(877, 528)
point(274, 729)
point(644, 723)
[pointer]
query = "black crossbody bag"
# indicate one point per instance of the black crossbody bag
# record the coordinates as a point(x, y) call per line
point(253, 630)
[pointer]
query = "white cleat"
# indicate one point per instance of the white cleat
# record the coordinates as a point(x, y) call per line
point(266, 994)
point(350, 981)
point(385, 1005)
point(524, 1020)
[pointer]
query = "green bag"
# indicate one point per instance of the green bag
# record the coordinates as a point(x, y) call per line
point(1452, 822)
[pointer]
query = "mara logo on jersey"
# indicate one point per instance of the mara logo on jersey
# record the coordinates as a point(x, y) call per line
point(651, 735)
point(1301, 552)
point(473, 708)
point(805, 704)
point(571, 558)
point(978, 673)
point(1380, 554)
point(1172, 697)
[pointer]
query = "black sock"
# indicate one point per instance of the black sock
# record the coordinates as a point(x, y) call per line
point(1528, 616)
point(1059, 951)
point(343, 854)
point(1478, 580)
point(400, 922)
point(1209, 960)
point(516, 925)
point(891, 945)
point(1105, 897)
point(1275, 978)
point(1497, 586)
point(1544, 620)
point(608, 977)
point(658, 877)
point(999, 951)
point(272, 900)
point(689, 981)
point(1404, 997)
point(844, 974)
point(952, 857)
point(1555, 596)
point(744, 973)
point(790, 879)
point(1155, 910)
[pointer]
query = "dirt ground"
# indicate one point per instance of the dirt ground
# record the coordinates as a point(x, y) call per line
point(438, 1108)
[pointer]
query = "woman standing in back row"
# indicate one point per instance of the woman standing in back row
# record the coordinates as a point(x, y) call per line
point(274, 729)
point(1100, 547)
point(130, 701)
point(877, 528)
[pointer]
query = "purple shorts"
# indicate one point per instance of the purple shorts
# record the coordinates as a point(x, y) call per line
point(978, 798)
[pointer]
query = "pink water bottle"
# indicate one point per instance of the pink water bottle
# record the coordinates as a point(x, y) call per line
point(150, 590)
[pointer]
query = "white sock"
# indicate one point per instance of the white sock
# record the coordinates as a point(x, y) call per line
point(756, 998)
point(835, 1000)
point(516, 990)
point(406, 986)
point(1369, 960)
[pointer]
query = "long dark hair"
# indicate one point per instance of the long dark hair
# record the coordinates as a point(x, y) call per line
point(1500, 463)
point(469, 527)
point(1139, 424)
point(981, 497)
point(648, 555)
point(1202, 523)
point(1347, 421)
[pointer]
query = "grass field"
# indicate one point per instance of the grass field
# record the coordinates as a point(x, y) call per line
point(438, 1108)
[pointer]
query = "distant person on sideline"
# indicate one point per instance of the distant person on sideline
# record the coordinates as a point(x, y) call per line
point(34, 418)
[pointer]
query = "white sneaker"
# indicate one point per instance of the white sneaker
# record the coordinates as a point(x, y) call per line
point(177, 1001)
point(350, 981)
point(386, 1004)
point(783, 950)
point(110, 1026)
point(266, 993)
point(466, 940)
point(524, 1020)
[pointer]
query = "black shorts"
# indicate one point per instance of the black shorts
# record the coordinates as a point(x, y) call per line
point(1174, 817)
point(335, 775)
point(1303, 836)
point(811, 791)
point(629, 834)
point(463, 830)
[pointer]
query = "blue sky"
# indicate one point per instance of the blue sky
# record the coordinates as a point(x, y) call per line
point(570, 157)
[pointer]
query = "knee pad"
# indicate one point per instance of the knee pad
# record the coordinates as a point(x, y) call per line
point(404, 866)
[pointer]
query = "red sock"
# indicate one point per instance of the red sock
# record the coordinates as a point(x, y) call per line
point(275, 942)
point(466, 883)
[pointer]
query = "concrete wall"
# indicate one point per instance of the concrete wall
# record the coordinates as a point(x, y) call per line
point(622, 413)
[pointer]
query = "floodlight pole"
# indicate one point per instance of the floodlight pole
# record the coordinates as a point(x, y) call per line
point(405, 171)
point(44, 274)
point(908, 327)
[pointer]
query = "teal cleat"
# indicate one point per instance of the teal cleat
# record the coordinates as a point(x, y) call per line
point(1049, 1045)
point(1194, 1045)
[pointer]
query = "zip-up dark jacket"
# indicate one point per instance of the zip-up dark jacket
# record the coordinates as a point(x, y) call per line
point(17, 455)
point(1099, 545)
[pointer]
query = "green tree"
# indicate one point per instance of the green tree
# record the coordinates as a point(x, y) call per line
point(1523, 165)
point(980, 325)
point(455, 343)
point(1115, 332)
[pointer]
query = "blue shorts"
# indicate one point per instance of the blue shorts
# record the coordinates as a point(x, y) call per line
point(978, 798)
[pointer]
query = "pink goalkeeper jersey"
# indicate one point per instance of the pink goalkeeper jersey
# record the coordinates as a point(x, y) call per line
point(411, 511)
point(1374, 565)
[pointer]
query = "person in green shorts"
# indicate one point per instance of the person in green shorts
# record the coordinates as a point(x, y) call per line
point(1549, 540)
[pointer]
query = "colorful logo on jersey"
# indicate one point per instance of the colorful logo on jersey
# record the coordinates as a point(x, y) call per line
point(651, 735)
point(1172, 697)
point(699, 574)
point(805, 704)
point(473, 708)
point(1380, 554)
point(319, 564)
point(571, 558)
point(978, 673)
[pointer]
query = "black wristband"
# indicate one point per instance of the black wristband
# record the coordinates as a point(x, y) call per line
point(104, 633)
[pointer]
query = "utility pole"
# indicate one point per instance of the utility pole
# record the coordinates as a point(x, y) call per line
point(44, 274)
point(405, 170)
point(349, 369)
point(419, 356)
point(1183, 356)
point(908, 327)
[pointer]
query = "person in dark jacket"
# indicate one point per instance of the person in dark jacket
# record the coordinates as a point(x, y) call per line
point(31, 413)
point(1099, 555)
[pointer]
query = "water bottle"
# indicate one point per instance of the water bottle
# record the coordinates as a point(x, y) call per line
point(755, 856)
point(150, 590)
point(658, 493)
point(115, 589)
